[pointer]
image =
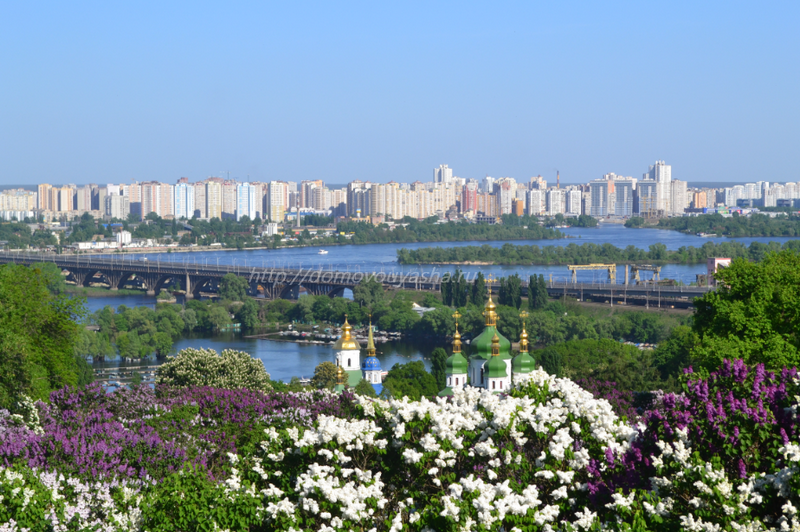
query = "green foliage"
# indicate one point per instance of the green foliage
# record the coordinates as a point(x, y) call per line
point(510, 293)
point(365, 388)
point(588, 253)
point(19, 236)
point(479, 291)
point(324, 376)
point(38, 335)
point(247, 315)
point(233, 287)
point(439, 367)
point(537, 292)
point(732, 226)
point(190, 500)
point(753, 314)
point(204, 367)
point(368, 292)
point(550, 359)
point(409, 380)
point(605, 360)
point(430, 231)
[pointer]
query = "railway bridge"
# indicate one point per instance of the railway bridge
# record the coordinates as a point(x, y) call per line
point(274, 283)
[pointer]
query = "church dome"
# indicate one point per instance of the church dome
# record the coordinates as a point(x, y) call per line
point(481, 346)
point(347, 341)
point(371, 363)
point(456, 364)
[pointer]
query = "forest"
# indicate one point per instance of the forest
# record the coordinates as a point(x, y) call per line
point(588, 253)
point(731, 226)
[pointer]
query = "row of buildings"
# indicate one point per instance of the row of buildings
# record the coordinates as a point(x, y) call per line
point(656, 194)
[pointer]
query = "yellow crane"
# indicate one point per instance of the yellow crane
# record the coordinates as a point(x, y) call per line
point(612, 270)
point(636, 268)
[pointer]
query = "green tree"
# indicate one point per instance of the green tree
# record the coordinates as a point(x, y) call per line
point(537, 292)
point(324, 376)
point(409, 380)
point(218, 317)
point(368, 292)
point(365, 388)
point(753, 314)
point(38, 334)
point(233, 287)
point(479, 289)
point(162, 342)
point(247, 315)
point(439, 367)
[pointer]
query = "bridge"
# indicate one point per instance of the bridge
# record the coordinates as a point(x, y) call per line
point(285, 283)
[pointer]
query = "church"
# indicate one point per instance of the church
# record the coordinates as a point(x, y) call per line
point(490, 365)
point(350, 369)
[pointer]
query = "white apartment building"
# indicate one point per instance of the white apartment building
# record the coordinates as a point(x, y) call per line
point(555, 201)
point(536, 202)
point(443, 174)
point(680, 197)
point(117, 206)
point(184, 201)
point(661, 173)
point(573, 202)
point(245, 201)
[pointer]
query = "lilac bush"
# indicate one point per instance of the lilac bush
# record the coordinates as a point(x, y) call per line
point(722, 455)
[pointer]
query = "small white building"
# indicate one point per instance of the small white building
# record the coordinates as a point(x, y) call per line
point(714, 264)
point(123, 238)
point(271, 229)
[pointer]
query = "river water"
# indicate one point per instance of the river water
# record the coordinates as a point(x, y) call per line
point(284, 360)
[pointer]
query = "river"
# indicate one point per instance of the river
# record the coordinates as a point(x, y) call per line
point(284, 360)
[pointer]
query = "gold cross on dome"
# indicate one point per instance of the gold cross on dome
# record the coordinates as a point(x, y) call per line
point(524, 314)
point(456, 315)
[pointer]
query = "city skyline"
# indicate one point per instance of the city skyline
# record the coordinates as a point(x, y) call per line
point(113, 93)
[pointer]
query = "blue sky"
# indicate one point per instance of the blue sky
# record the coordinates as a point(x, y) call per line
point(112, 91)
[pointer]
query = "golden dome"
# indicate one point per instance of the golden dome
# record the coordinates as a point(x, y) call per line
point(523, 341)
point(489, 312)
point(347, 341)
point(457, 341)
point(339, 375)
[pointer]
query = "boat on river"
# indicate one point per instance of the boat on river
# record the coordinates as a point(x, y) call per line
point(322, 252)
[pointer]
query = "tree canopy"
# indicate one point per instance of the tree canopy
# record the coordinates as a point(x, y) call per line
point(754, 314)
point(38, 334)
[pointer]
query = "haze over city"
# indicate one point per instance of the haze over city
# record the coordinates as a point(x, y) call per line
point(111, 93)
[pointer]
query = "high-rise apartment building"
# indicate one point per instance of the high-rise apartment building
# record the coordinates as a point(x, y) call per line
point(306, 194)
point(661, 173)
point(700, 199)
point(184, 200)
point(602, 197)
point(246, 201)
point(469, 197)
point(536, 202)
point(679, 198)
point(623, 197)
point(117, 206)
point(43, 198)
point(214, 198)
point(573, 197)
point(443, 174)
point(554, 201)
point(358, 200)
point(228, 199)
point(646, 198)
point(199, 200)
point(505, 189)
point(83, 198)
point(278, 196)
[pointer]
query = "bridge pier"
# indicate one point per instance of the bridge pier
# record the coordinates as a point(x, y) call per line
point(188, 288)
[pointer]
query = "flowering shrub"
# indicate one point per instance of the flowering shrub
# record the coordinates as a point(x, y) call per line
point(204, 367)
point(723, 455)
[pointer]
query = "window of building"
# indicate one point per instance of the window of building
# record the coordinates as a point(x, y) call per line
point(493, 383)
point(348, 362)
point(456, 381)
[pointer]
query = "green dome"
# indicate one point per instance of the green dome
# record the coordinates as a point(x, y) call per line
point(496, 368)
point(456, 364)
point(523, 363)
point(482, 345)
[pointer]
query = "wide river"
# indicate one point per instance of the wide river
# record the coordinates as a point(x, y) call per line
point(285, 359)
